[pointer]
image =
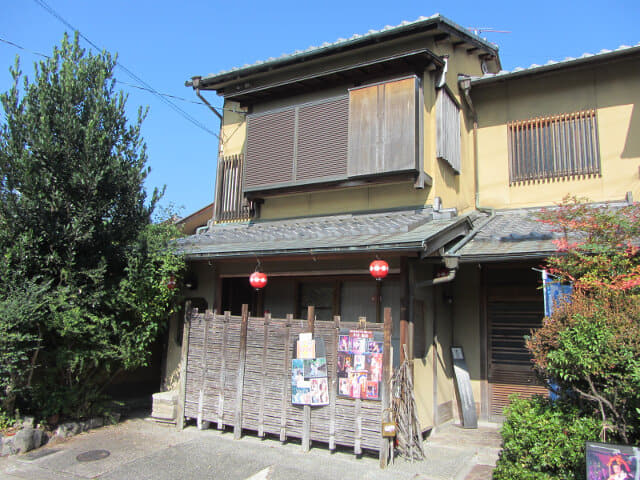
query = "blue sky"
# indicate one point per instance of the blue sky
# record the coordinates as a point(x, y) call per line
point(167, 42)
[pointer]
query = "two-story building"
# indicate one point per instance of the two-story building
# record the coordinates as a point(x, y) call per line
point(409, 144)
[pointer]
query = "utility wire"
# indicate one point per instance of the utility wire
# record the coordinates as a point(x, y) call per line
point(118, 81)
point(220, 109)
point(148, 87)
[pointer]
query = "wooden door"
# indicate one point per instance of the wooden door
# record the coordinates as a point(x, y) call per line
point(514, 307)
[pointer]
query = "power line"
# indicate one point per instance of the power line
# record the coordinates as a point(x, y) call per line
point(13, 44)
point(148, 87)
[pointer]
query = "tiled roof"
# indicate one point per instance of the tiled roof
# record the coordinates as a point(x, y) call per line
point(357, 38)
point(512, 233)
point(552, 64)
point(396, 230)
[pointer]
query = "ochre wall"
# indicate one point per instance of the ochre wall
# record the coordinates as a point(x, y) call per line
point(454, 190)
point(612, 89)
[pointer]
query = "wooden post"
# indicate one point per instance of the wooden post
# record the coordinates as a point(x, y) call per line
point(242, 357)
point(183, 365)
point(223, 370)
point(357, 444)
point(334, 386)
point(404, 305)
point(306, 418)
point(201, 423)
point(287, 378)
point(385, 443)
point(265, 342)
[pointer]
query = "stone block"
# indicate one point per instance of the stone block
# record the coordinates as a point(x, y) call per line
point(24, 440)
point(95, 422)
point(28, 422)
point(7, 446)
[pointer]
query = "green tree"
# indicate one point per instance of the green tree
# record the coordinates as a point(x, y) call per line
point(75, 220)
point(590, 346)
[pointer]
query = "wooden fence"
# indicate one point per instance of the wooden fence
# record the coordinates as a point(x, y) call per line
point(238, 373)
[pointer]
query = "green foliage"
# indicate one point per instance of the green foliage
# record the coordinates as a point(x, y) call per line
point(591, 347)
point(87, 267)
point(21, 311)
point(598, 245)
point(544, 440)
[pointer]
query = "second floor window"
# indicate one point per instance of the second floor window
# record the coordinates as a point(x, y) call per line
point(556, 146)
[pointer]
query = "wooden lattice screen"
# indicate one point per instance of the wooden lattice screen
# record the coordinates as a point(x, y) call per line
point(238, 374)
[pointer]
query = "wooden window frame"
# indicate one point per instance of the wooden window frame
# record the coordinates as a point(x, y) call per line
point(558, 146)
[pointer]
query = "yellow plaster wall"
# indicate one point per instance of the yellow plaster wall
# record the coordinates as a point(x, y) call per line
point(455, 190)
point(337, 200)
point(233, 131)
point(466, 324)
point(612, 89)
point(423, 366)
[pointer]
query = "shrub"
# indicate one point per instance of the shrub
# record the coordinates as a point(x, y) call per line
point(543, 440)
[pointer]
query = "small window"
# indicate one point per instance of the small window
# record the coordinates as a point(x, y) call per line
point(448, 129)
point(551, 147)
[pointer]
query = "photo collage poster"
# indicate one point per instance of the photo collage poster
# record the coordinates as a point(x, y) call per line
point(612, 462)
point(309, 384)
point(360, 354)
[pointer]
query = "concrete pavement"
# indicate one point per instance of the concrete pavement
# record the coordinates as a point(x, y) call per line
point(141, 449)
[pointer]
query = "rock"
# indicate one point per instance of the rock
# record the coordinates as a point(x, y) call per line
point(38, 435)
point(23, 441)
point(28, 422)
point(95, 422)
point(67, 429)
point(7, 446)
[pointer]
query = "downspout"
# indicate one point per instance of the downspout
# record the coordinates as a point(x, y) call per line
point(195, 83)
point(465, 86)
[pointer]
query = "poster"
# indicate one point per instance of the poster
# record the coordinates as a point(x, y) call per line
point(612, 462)
point(309, 385)
point(360, 354)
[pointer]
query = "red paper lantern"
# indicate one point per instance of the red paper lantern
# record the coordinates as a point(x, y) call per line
point(171, 283)
point(258, 280)
point(379, 269)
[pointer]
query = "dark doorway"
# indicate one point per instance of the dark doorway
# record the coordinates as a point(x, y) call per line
point(235, 293)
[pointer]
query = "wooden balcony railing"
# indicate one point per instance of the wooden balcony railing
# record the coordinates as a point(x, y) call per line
point(230, 203)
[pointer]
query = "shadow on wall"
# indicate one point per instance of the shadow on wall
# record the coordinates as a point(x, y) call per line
point(632, 144)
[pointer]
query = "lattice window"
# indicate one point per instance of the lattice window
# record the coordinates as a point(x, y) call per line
point(550, 147)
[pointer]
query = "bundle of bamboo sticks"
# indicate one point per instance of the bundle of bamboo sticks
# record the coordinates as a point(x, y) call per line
point(403, 406)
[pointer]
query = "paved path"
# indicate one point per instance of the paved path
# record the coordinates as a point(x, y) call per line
point(140, 449)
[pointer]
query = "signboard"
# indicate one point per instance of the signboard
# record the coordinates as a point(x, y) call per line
point(360, 354)
point(554, 293)
point(465, 393)
point(612, 462)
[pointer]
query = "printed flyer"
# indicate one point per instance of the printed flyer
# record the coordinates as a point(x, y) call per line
point(309, 384)
point(360, 354)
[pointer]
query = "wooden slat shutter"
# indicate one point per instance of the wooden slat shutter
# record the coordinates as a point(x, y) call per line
point(382, 128)
point(270, 148)
point(510, 368)
point(322, 140)
point(448, 130)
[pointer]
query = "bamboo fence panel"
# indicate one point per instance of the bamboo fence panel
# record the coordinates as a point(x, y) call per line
point(216, 360)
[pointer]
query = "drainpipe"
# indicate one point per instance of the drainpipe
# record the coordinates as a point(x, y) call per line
point(465, 86)
point(195, 82)
point(451, 262)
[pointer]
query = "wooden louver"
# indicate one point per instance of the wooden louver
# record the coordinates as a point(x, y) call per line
point(555, 146)
point(301, 144)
